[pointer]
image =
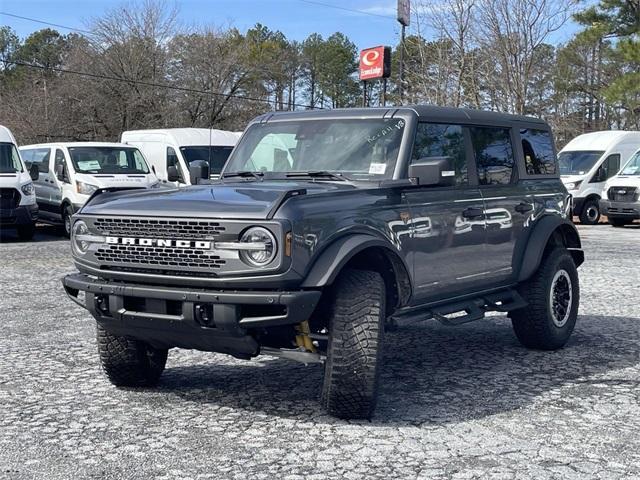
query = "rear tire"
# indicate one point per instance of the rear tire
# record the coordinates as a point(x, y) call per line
point(553, 295)
point(352, 368)
point(26, 232)
point(590, 214)
point(128, 362)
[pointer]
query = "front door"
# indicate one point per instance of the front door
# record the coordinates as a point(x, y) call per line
point(448, 227)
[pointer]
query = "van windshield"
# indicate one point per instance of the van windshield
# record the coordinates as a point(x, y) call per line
point(577, 162)
point(111, 160)
point(633, 165)
point(361, 149)
point(215, 155)
point(9, 158)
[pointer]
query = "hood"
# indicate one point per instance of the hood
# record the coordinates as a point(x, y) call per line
point(243, 200)
point(571, 178)
point(623, 181)
point(117, 180)
point(14, 180)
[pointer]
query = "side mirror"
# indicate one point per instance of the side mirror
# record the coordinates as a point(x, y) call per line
point(173, 175)
point(198, 171)
point(435, 171)
point(34, 173)
point(60, 172)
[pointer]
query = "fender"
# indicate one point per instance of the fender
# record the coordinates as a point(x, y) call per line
point(329, 263)
point(539, 238)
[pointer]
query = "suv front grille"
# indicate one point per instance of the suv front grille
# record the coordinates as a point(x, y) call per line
point(9, 198)
point(622, 194)
point(159, 228)
point(158, 256)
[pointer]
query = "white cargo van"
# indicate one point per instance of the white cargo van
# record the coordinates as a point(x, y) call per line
point(621, 197)
point(68, 173)
point(588, 161)
point(18, 208)
point(172, 151)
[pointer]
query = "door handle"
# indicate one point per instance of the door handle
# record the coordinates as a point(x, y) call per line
point(523, 207)
point(472, 212)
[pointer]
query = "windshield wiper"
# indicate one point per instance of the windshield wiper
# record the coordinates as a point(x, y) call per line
point(320, 174)
point(244, 174)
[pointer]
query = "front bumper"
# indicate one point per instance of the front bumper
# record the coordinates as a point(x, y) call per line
point(629, 210)
point(21, 215)
point(168, 317)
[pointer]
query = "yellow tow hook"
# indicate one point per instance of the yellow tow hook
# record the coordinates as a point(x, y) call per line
point(303, 340)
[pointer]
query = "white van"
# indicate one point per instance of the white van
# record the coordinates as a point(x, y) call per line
point(588, 161)
point(18, 208)
point(69, 173)
point(621, 197)
point(171, 151)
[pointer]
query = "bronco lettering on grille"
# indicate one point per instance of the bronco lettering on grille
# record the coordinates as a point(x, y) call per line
point(160, 242)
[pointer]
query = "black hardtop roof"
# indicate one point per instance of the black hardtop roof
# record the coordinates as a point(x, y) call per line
point(425, 113)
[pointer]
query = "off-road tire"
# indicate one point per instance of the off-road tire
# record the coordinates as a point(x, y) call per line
point(619, 222)
point(590, 214)
point(67, 212)
point(354, 353)
point(537, 326)
point(26, 232)
point(128, 362)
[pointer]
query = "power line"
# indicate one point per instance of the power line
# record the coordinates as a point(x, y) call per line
point(87, 32)
point(148, 84)
point(352, 10)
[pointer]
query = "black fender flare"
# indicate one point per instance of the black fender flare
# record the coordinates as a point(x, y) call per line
point(333, 258)
point(539, 238)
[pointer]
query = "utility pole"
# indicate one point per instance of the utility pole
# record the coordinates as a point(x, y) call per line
point(401, 73)
point(404, 17)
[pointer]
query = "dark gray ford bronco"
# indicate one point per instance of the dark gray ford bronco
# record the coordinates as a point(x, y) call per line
point(325, 228)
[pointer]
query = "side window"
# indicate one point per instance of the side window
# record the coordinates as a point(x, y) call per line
point(59, 160)
point(537, 147)
point(442, 140)
point(37, 156)
point(612, 165)
point(493, 154)
point(172, 159)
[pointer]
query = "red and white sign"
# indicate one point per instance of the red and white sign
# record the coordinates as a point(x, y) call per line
point(372, 63)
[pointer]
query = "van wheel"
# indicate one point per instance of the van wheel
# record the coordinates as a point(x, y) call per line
point(67, 213)
point(356, 328)
point(553, 295)
point(590, 214)
point(26, 232)
point(129, 362)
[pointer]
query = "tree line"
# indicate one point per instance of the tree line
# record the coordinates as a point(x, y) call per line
point(137, 67)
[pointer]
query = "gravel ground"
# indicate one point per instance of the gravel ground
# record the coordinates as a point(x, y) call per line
point(463, 402)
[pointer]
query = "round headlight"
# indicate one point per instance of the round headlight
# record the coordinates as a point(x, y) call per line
point(261, 247)
point(78, 230)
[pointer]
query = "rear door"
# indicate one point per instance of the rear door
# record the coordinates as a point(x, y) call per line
point(447, 240)
point(506, 203)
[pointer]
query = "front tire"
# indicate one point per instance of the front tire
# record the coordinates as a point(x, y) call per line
point(553, 295)
point(128, 362)
point(356, 327)
point(67, 213)
point(590, 214)
point(26, 232)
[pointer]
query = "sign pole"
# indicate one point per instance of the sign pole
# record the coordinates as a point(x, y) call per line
point(364, 93)
point(384, 92)
point(401, 73)
point(404, 17)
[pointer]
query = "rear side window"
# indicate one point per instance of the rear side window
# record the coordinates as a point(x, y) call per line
point(37, 156)
point(537, 147)
point(493, 154)
point(442, 140)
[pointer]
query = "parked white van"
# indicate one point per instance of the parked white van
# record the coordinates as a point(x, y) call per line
point(68, 173)
point(18, 208)
point(172, 151)
point(588, 161)
point(621, 197)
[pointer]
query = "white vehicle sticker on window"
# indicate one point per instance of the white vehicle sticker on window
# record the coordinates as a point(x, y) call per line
point(377, 168)
point(89, 165)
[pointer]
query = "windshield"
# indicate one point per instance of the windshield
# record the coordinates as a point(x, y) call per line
point(361, 149)
point(633, 165)
point(577, 162)
point(216, 156)
point(112, 160)
point(9, 158)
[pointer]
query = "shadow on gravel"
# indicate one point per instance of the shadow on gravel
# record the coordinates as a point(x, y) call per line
point(431, 374)
point(44, 233)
